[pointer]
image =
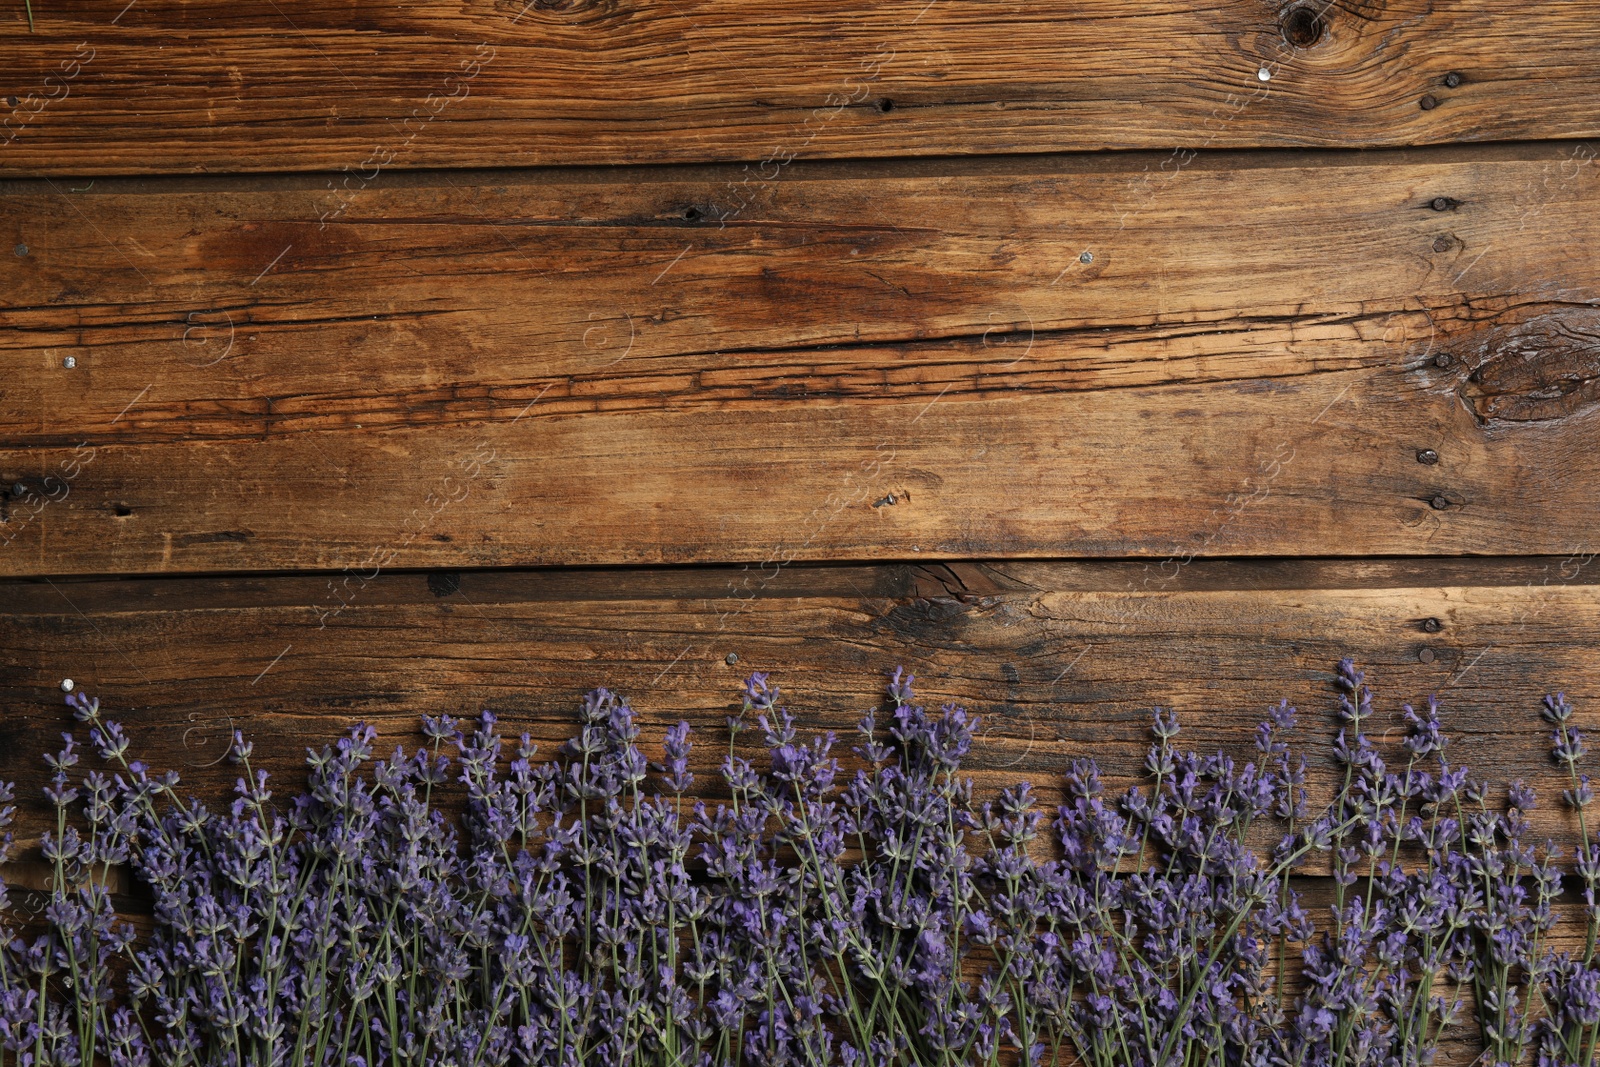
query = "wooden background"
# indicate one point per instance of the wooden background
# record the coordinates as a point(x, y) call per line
point(362, 361)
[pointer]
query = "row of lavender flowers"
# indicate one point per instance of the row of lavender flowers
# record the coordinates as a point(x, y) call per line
point(584, 911)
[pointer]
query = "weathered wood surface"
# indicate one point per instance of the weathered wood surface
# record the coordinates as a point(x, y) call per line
point(1260, 355)
point(252, 85)
point(1061, 660)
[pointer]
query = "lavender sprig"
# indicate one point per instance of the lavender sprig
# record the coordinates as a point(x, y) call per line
point(466, 903)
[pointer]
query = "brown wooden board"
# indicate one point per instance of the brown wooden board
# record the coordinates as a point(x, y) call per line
point(108, 87)
point(1324, 353)
point(1061, 660)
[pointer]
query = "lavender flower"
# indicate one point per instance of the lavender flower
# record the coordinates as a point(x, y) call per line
point(465, 903)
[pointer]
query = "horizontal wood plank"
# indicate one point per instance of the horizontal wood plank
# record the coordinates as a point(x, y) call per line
point(1061, 660)
point(250, 85)
point(1330, 354)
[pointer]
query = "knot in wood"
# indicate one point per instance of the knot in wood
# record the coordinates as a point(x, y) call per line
point(1541, 370)
point(1303, 26)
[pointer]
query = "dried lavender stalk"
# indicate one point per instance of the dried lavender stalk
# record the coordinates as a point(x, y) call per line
point(465, 903)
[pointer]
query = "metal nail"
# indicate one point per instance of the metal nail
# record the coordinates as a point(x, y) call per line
point(1428, 456)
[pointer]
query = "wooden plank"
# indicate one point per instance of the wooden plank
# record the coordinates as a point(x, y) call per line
point(102, 88)
point(535, 371)
point(1068, 663)
point(945, 361)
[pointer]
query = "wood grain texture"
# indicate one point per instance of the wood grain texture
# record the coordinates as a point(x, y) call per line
point(1039, 358)
point(1061, 660)
point(252, 85)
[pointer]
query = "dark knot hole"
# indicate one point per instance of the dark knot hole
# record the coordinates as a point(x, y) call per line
point(1303, 27)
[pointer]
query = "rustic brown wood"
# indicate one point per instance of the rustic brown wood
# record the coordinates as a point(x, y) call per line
point(946, 373)
point(252, 85)
point(960, 360)
point(1066, 664)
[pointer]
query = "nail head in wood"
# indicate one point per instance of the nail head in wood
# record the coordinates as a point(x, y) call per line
point(1432, 625)
point(731, 658)
point(1426, 655)
point(444, 583)
point(1428, 103)
point(1439, 503)
point(1428, 456)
